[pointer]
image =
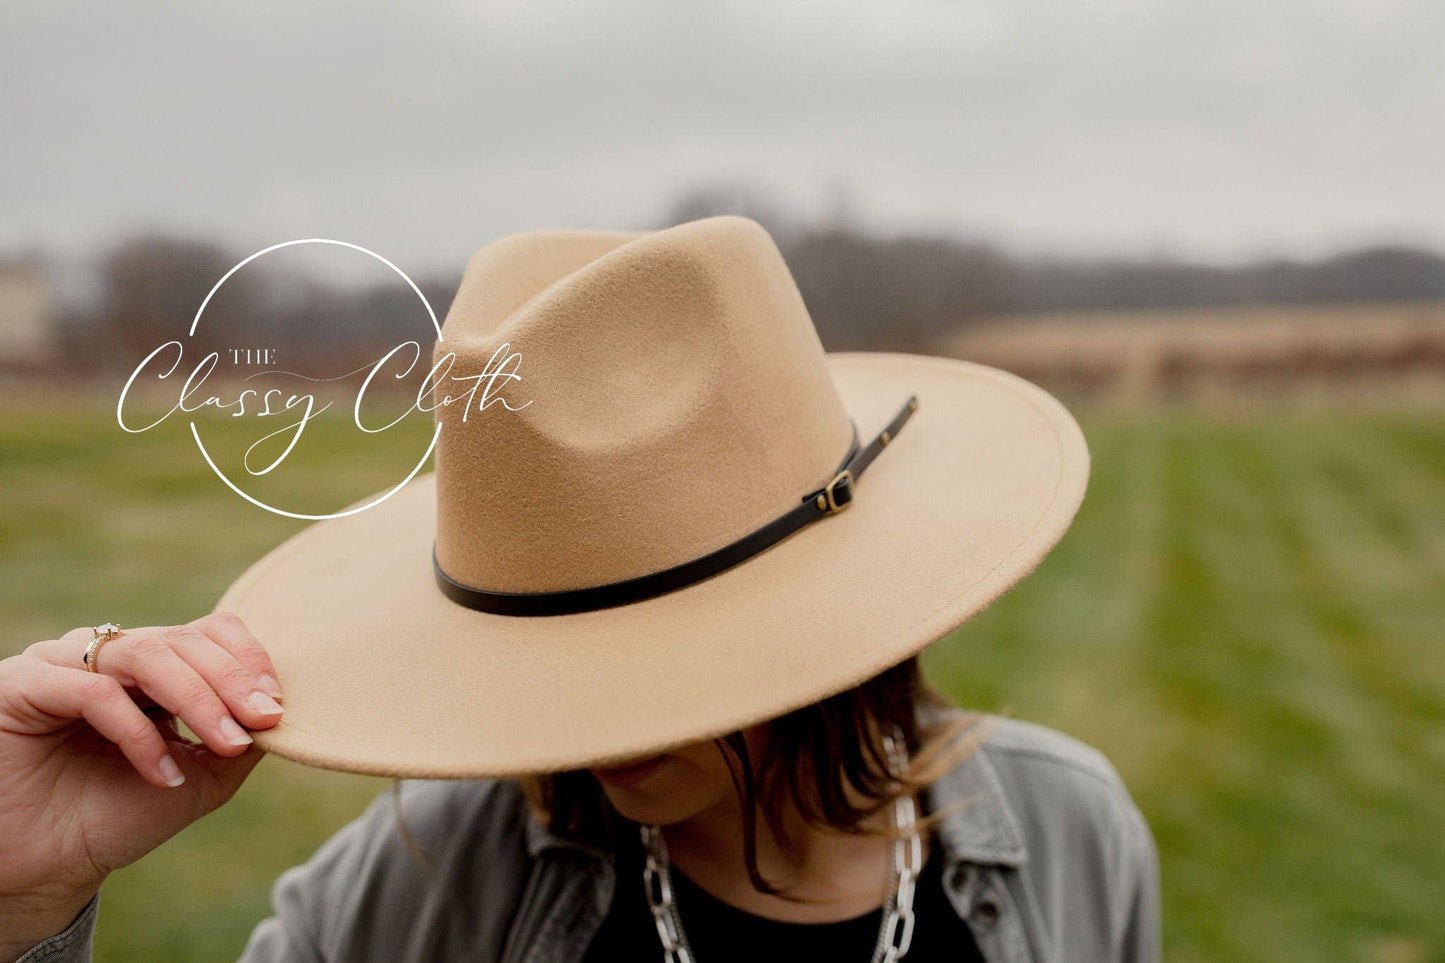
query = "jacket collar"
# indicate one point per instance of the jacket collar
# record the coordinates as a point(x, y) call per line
point(978, 824)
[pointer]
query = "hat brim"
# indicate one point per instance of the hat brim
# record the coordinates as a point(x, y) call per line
point(383, 674)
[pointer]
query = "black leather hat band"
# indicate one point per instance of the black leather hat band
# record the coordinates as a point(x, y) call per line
point(831, 499)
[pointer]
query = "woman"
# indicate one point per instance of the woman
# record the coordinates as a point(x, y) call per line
point(649, 634)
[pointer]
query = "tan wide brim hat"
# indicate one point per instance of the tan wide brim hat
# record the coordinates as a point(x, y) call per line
point(385, 674)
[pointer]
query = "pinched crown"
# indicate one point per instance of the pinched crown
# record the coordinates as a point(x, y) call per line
point(673, 395)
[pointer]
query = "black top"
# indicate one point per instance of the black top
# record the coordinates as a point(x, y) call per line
point(721, 933)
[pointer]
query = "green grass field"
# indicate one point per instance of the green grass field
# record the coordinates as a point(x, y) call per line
point(1248, 618)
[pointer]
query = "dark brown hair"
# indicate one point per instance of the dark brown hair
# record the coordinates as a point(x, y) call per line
point(827, 760)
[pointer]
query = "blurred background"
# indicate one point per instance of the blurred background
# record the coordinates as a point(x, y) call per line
point(1214, 231)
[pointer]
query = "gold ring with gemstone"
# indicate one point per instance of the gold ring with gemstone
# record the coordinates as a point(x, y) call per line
point(99, 635)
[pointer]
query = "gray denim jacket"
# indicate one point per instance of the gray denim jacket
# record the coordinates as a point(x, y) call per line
point(1048, 860)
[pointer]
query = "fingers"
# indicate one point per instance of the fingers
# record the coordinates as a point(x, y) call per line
point(223, 628)
point(186, 672)
point(62, 695)
point(238, 686)
point(216, 778)
point(151, 664)
point(231, 634)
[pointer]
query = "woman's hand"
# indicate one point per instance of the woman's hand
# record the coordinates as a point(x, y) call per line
point(93, 773)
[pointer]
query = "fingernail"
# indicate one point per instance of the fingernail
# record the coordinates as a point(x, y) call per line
point(170, 772)
point(263, 704)
point(271, 686)
point(233, 733)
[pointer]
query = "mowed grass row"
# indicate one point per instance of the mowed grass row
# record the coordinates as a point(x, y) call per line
point(1248, 618)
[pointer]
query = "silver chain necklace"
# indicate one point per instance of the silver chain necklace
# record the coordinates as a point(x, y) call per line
point(894, 936)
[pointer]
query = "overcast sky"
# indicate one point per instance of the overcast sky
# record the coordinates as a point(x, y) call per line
point(1207, 130)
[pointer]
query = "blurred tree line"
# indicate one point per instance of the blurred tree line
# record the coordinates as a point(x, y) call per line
point(865, 292)
point(915, 293)
point(152, 287)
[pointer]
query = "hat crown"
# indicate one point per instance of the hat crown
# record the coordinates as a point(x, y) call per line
point(674, 397)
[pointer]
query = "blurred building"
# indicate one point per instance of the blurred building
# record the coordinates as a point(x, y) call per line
point(28, 334)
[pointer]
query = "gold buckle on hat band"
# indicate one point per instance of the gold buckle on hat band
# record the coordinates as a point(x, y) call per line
point(830, 494)
point(829, 500)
